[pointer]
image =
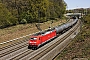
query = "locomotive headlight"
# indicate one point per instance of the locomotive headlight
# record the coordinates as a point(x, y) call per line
point(32, 42)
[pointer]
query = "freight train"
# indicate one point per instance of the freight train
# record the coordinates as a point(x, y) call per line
point(42, 37)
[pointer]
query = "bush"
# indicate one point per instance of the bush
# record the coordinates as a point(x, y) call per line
point(87, 19)
point(23, 21)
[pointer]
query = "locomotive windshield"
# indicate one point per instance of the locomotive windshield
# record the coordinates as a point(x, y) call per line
point(33, 38)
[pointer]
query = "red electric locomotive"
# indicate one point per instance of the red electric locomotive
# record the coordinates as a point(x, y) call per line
point(38, 39)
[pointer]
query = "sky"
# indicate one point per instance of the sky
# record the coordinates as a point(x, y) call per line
point(73, 4)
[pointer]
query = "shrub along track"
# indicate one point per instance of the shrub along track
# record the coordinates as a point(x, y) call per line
point(21, 51)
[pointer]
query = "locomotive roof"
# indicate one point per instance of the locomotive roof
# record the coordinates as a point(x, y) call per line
point(44, 32)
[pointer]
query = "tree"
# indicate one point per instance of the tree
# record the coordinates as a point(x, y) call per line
point(35, 10)
point(6, 19)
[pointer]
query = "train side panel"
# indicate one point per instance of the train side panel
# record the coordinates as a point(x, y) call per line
point(48, 36)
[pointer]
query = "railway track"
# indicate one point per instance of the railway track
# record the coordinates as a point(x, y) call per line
point(14, 44)
point(19, 50)
point(6, 52)
point(38, 54)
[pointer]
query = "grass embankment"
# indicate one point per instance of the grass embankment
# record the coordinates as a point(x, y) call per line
point(79, 47)
point(21, 30)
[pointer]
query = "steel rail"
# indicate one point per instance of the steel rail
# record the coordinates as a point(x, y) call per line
point(12, 45)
